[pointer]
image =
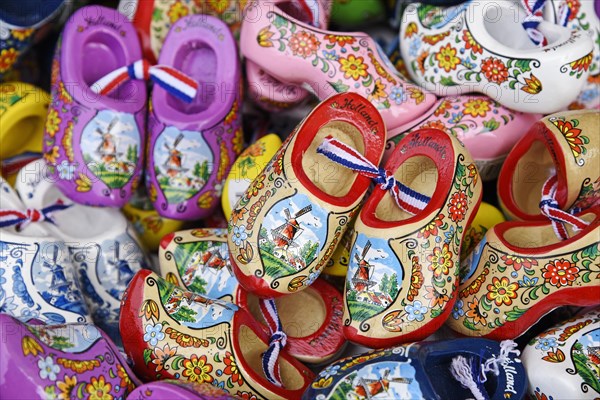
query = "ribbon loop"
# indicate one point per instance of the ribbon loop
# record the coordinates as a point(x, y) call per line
point(277, 342)
point(535, 10)
point(173, 81)
point(407, 199)
point(550, 208)
point(22, 219)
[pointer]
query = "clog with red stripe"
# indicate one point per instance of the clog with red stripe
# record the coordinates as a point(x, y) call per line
point(521, 271)
point(404, 266)
point(192, 145)
point(94, 142)
point(566, 144)
point(286, 226)
point(198, 260)
point(171, 333)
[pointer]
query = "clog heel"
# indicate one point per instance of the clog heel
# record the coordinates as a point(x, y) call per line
point(566, 144)
point(326, 63)
point(96, 139)
point(484, 48)
point(198, 260)
point(170, 332)
point(404, 265)
point(284, 229)
point(521, 270)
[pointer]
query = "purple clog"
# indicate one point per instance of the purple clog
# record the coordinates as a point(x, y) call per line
point(60, 361)
point(176, 389)
point(191, 145)
point(96, 140)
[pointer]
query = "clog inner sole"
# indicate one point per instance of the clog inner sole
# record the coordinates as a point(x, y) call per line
point(531, 237)
point(328, 176)
point(198, 61)
point(102, 54)
point(530, 174)
point(27, 129)
point(252, 350)
point(418, 173)
point(302, 313)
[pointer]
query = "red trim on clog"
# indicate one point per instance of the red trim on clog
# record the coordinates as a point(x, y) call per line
point(166, 240)
point(445, 169)
point(539, 132)
point(325, 113)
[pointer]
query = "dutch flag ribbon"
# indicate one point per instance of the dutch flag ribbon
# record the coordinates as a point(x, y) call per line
point(407, 199)
point(534, 9)
point(173, 81)
point(24, 218)
point(549, 208)
point(270, 358)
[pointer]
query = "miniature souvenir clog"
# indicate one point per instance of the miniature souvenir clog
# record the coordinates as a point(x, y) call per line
point(175, 389)
point(285, 228)
point(37, 279)
point(520, 271)
point(95, 141)
point(23, 111)
point(351, 14)
point(565, 143)
point(21, 24)
point(327, 63)
point(569, 355)
point(246, 168)
point(198, 260)
point(403, 274)
point(487, 216)
point(102, 246)
point(60, 362)
point(426, 370)
point(169, 333)
point(487, 129)
point(191, 146)
point(466, 48)
point(154, 18)
point(147, 222)
point(584, 15)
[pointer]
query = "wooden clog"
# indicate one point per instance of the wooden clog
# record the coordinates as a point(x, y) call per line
point(285, 228)
point(404, 266)
point(198, 260)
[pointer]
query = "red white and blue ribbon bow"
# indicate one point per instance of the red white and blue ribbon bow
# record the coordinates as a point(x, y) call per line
point(24, 218)
point(270, 360)
point(174, 82)
point(407, 199)
point(549, 208)
point(535, 10)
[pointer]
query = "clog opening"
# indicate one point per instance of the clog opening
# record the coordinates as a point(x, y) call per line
point(29, 132)
point(101, 54)
point(198, 60)
point(302, 314)
point(328, 176)
point(532, 237)
point(445, 385)
point(27, 13)
point(252, 350)
point(418, 173)
point(530, 173)
point(294, 10)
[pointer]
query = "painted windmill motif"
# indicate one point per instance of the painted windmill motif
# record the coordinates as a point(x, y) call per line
point(173, 163)
point(210, 260)
point(124, 271)
point(369, 388)
point(285, 235)
point(108, 147)
point(361, 281)
point(60, 290)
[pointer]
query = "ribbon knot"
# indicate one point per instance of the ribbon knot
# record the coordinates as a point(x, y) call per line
point(550, 208)
point(173, 81)
point(407, 199)
point(22, 219)
point(280, 337)
point(535, 10)
point(278, 340)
